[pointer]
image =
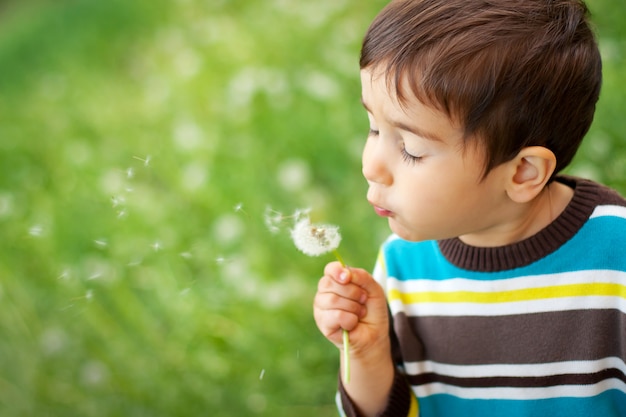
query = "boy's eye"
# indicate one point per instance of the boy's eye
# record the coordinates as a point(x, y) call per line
point(373, 132)
point(410, 159)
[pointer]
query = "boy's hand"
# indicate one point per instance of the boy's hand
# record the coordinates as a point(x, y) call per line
point(350, 299)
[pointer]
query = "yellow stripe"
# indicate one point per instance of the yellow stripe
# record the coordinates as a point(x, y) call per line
point(414, 409)
point(381, 261)
point(526, 294)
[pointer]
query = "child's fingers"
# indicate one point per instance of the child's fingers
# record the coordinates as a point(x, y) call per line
point(331, 301)
point(328, 285)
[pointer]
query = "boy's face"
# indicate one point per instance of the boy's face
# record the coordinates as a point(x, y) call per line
point(420, 174)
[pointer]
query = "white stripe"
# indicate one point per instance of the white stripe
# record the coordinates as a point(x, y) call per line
point(508, 308)
point(339, 405)
point(514, 370)
point(509, 284)
point(504, 393)
point(609, 210)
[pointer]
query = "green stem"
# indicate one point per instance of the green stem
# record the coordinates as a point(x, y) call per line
point(346, 335)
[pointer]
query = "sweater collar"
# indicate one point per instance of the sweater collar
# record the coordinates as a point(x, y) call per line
point(527, 251)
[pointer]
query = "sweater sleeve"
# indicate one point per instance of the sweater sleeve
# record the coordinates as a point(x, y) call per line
point(401, 402)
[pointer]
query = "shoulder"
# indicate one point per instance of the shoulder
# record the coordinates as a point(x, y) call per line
point(592, 191)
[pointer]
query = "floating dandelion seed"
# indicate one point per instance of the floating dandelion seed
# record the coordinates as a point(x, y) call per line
point(262, 374)
point(130, 173)
point(36, 230)
point(272, 219)
point(316, 240)
point(135, 262)
point(239, 208)
point(101, 243)
point(118, 201)
point(145, 161)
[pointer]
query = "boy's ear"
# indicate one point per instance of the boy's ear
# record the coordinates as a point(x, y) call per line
point(531, 170)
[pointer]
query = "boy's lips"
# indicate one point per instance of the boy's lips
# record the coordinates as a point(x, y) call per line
point(381, 211)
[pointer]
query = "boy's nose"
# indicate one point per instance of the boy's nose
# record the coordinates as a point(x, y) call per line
point(375, 167)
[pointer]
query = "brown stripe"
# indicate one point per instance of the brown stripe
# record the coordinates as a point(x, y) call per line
point(519, 382)
point(515, 339)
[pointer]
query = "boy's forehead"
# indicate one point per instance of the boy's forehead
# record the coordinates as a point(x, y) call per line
point(376, 85)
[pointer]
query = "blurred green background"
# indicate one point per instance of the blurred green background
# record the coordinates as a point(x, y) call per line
point(144, 146)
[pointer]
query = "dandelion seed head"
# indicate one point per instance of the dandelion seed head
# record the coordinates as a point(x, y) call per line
point(315, 239)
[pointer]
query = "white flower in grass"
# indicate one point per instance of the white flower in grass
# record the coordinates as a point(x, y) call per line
point(315, 239)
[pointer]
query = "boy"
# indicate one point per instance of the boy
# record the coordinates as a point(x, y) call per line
point(502, 290)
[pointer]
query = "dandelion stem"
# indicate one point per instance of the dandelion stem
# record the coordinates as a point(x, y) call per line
point(339, 258)
point(345, 333)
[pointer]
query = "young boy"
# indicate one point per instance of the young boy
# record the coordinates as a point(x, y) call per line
point(502, 290)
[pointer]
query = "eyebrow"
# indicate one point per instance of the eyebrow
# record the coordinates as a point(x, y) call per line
point(411, 129)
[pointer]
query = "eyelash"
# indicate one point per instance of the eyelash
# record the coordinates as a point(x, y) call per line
point(407, 157)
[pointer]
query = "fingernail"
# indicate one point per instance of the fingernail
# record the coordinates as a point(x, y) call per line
point(363, 298)
point(343, 277)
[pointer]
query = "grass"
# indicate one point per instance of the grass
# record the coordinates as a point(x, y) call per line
point(141, 144)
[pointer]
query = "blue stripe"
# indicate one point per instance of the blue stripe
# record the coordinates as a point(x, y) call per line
point(608, 404)
point(597, 245)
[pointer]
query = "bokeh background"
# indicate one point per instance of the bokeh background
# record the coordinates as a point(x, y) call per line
point(151, 152)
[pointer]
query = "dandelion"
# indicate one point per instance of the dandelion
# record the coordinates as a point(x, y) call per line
point(316, 240)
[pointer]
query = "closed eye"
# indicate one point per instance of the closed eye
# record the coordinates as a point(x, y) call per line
point(410, 159)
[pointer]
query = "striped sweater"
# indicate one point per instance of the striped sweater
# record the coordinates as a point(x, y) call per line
point(536, 328)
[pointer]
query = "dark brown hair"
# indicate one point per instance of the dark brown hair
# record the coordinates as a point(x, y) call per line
point(512, 73)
